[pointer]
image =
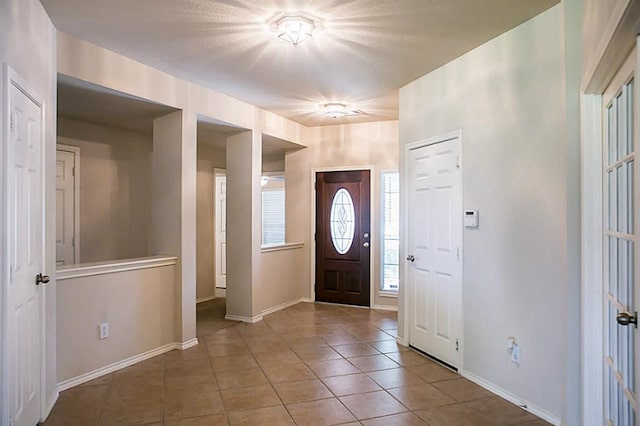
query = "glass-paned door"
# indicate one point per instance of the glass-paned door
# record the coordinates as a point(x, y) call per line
point(620, 258)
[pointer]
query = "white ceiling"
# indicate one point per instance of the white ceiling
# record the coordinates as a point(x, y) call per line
point(365, 51)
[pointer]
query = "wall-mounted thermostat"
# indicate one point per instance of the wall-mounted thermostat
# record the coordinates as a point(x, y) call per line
point(471, 218)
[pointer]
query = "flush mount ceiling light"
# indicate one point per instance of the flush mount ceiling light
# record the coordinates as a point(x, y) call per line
point(294, 29)
point(337, 110)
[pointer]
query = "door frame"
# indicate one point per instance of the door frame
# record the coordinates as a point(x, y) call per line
point(617, 42)
point(11, 77)
point(373, 241)
point(406, 288)
point(76, 196)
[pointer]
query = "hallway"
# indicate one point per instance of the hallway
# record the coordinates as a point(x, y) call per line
point(310, 364)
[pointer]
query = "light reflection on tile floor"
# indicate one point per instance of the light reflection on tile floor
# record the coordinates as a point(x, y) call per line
point(306, 365)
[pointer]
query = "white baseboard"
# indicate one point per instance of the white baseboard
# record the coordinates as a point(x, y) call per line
point(402, 342)
point(52, 401)
point(281, 306)
point(188, 344)
point(536, 411)
point(307, 300)
point(385, 308)
point(220, 292)
point(205, 299)
point(260, 317)
point(250, 320)
point(86, 377)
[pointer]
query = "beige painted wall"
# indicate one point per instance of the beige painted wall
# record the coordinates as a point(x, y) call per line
point(28, 45)
point(244, 163)
point(573, 72)
point(281, 273)
point(85, 61)
point(115, 190)
point(208, 160)
point(174, 209)
point(358, 145)
point(138, 305)
point(508, 97)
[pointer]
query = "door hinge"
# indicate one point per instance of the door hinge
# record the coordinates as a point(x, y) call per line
point(73, 241)
point(458, 253)
point(10, 274)
point(458, 162)
point(457, 345)
point(12, 121)
point(73, 171)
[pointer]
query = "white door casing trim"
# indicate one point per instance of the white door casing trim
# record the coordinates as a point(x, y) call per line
point(373, 260)
point(76, 197)
point(406, 289)
point(11, 77)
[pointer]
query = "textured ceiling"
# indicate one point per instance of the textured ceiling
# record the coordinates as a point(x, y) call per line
point(365, 51)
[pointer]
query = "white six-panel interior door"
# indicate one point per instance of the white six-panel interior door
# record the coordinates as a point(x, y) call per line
point(221, 229)
point(24, 189)
point(66, 207)
point(620, 258)
point(434, 238)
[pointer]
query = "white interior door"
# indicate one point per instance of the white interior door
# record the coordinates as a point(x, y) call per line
point(65, 207)
point(24, 190)
point(221, 230)
point(434, 242)
point(620, 208)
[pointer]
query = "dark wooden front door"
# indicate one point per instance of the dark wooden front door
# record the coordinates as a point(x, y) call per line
point(343, 237)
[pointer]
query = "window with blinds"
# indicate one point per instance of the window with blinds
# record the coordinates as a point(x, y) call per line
point(273, 212)
point(390, 231)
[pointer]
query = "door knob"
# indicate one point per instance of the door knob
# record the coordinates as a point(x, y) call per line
point(625, 318)
point(411, 258)
point(42, 279)
point(366, 235)
point(366, 244)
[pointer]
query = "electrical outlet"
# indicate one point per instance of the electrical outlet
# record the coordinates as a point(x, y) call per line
point(104, 330)
point(515, 353)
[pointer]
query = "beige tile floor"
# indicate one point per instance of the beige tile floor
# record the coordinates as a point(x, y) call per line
point(310, 364)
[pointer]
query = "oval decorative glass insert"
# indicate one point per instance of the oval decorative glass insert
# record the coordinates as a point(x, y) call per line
point(342, 221)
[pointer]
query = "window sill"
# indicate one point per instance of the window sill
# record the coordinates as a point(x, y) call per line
point(388, 293)
point(267, 248)
point(112, 266)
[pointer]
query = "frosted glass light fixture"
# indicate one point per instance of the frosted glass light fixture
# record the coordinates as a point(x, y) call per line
point(294, 29)
point(337, 110)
